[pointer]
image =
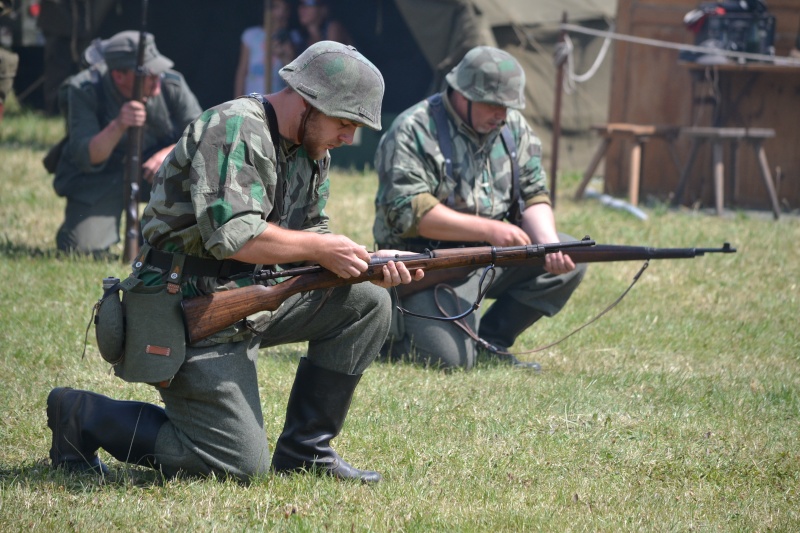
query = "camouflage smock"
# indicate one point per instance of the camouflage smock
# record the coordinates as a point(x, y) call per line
point(217, 188)
point(411, 170)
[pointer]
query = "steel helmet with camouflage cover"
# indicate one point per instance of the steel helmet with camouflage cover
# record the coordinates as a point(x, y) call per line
point(338, 81)
point(491, 76)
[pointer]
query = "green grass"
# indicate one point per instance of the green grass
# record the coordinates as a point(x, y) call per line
point(676, 411)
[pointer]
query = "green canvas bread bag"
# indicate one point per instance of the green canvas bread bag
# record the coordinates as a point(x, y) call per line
point(141, 334)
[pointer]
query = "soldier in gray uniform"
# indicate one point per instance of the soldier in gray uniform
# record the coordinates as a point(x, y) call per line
point(247, 184)
point(98, 109)
point(8, 59)
point(453, 170)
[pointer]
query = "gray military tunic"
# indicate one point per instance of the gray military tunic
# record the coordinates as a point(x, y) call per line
point(90, 101)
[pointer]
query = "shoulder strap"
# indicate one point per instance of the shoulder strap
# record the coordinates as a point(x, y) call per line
point(446, 146)
point(445, 142)
point(514, 214)
point(272, 123)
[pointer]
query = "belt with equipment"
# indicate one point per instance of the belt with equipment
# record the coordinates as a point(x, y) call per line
point(200, 266)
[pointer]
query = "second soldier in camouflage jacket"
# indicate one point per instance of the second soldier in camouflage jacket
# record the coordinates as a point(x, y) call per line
point(424, 202)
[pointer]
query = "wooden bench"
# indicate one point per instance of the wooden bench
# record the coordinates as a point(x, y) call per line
point(718, 137)
point(639, 134)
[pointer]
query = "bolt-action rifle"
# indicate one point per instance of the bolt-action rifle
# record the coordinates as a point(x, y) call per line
point(133, 163)
point(209, 314)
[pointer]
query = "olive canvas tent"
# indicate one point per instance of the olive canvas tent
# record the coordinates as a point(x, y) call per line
point(445, 29)
point(413, 42)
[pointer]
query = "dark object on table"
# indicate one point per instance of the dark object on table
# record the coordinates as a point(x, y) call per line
point(738, 26)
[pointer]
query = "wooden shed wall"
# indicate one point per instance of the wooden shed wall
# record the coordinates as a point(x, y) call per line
point(650, 86)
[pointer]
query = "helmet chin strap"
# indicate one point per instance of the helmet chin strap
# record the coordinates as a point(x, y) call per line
point(301, 128)
point(469, 113)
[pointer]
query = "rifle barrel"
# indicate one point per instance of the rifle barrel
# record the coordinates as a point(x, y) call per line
point(610, 252)
point(133, 165)
point(480, 255)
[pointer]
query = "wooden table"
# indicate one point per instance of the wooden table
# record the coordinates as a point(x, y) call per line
point(731, 136)
point(639, 134)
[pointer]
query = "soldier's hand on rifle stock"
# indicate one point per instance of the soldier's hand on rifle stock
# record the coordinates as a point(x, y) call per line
point(132, 114)
point(539, 222)
point(342, 256)
point(396, 273)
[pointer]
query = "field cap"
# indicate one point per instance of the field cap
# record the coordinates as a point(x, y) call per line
point(120, 53)
point(338, 81)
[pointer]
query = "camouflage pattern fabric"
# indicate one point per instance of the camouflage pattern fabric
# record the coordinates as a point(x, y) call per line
point(412, 180)
point(216, 189)
point(491, 76)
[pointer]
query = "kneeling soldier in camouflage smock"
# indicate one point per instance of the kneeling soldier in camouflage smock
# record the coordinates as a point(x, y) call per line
point(451, 169)
point(237, 192)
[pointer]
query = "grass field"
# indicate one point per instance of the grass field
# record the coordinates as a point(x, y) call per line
point(677, 411)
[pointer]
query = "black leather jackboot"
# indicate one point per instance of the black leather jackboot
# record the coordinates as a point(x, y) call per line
point(315, 414)
point(82, 422)
point(505, 320)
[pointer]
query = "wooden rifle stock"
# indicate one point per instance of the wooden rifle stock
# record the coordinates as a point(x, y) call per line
point(206, 315)
point(133, 163)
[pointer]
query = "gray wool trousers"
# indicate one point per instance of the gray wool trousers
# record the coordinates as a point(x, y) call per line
point(447, 345)
point(216, 425)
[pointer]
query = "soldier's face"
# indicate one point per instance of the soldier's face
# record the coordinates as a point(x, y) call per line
point(487, 117)
point(125, 79)
point(323, 133)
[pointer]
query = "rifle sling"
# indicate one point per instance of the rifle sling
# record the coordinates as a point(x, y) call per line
point(514, 214)
point(459, 319)
point(200, 266)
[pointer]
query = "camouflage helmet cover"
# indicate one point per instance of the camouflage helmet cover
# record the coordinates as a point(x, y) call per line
point(338, 81)
point(491, 76)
